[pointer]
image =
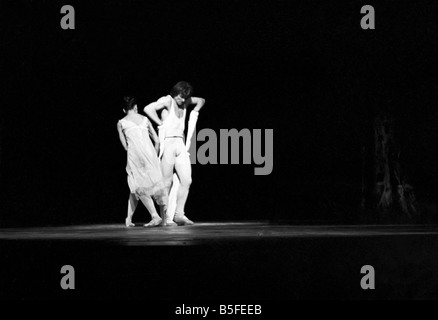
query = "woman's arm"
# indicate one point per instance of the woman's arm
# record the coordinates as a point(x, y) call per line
point(122, 136)
point(154, 137)
point(153, 133)
point(152, 108)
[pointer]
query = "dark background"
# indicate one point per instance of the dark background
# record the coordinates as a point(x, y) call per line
point(304, 69)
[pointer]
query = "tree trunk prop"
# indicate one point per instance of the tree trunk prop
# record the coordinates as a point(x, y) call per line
point(393, 195)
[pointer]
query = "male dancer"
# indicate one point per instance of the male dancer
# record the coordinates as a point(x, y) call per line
point(173, 152)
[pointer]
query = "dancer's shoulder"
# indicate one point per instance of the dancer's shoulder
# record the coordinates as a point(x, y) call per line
point(164, 102)
point(165, 99)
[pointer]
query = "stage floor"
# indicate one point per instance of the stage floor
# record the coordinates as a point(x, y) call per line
point(239, 261)
point(208, 232)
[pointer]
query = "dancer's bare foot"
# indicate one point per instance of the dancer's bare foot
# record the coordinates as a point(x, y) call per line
point(129, 223)
point(182, 220)
point(154, 222)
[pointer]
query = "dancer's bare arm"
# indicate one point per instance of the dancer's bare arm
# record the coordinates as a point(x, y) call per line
point(152, 108)
point(198, 101)
point(122, 136)
point(154, 136)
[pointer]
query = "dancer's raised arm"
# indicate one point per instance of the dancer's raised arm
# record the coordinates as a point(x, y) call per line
point(198, 101)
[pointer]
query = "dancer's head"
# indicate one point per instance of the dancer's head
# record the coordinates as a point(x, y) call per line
point(181, 92)
point(129, 103)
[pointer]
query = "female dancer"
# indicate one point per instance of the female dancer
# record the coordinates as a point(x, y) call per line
point(145, 179)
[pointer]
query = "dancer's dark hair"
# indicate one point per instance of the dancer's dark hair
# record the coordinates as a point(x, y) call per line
point(182, 88)
point(129, 103)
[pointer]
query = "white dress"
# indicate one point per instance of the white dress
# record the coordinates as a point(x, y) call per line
point(143, 165)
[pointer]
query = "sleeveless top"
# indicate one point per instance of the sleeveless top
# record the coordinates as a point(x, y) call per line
point(128, 125)
point(174, 126)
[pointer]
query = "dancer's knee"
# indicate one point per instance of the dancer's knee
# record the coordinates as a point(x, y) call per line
point(186, 182)
point(162, 199)
point(167, 184)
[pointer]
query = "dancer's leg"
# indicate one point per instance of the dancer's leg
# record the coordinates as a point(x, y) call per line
point(132, 205)
point(167, 167)
point(162, 201)
point(149, 204)
point(172, 198)
point(163, 210)
point(184, 171)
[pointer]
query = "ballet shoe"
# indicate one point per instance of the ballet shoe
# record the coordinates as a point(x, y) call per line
point(129, 223)
point(154, 222)
point(168, 223)
point(182, 220)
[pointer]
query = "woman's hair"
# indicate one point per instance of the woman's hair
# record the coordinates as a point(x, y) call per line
point(129, 103)
point(182, 88)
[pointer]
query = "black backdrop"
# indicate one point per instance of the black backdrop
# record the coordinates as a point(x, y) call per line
point(304, 69)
